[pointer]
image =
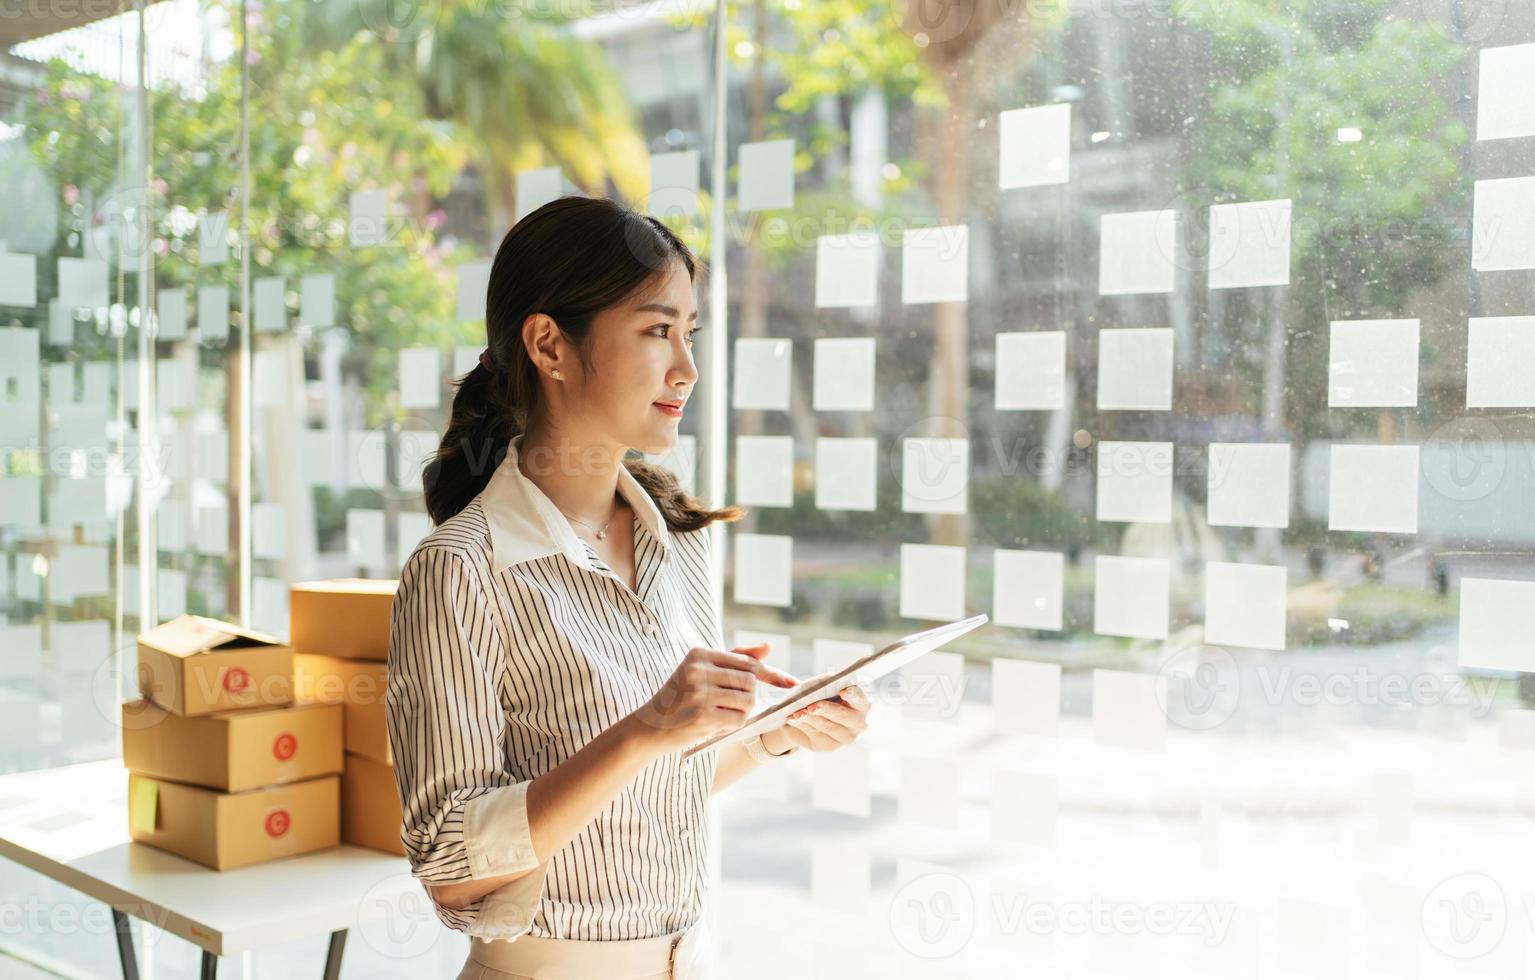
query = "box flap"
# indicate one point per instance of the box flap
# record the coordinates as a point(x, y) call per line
point(187, 635)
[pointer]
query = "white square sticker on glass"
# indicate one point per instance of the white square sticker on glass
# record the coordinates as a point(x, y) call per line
point(61, 324)
point(1135, 369)
point(211, 524)
point(1497, 619)
point(1026, 588)
point(1025, 697)
point(840, 876)
point(928, 793)
point(1034, 146)
point(268, 296)
point(1249, 484)
point(538, 187)
point(269, 378)
point(1373, 488)
point(845, 473)
point(365, 538)
point(765, 471)
point(935, 686)
point(935, 475)
point(840, 781)
point(368, 218)
point(171, 314)
point(18, 279)
point(1130, 597)
point(673, 184)
point(1500, 362)
point(269, 530)
point(1135, 482)
point(1137, 253)
point(366, 452)
point(21, 501)
point(1025, 808)
point(1250, 244)
point(213, 314)
point(681, 460)
point(1504, 106)
point(765, 176)
point(1128, 710)
point(1031, 371)
point(1373, 364)
point(269, 606)
point(932, 581)
point(1503, 224)
point(411, 527)
point(844, 374)
point(1245, 605)
point(84, 283)
point(175, 381)
point(762, 373)
point(935, 264)
point(420, 377)
point(317, 300)
point(764, 569)
point(465, 359)
point(413, 449)
point(847, 270)
point(473, 283)
point(212, 237)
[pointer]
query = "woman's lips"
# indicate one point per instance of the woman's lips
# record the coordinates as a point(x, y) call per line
point(675, 411)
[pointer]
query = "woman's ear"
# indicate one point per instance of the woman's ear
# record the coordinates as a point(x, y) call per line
point(541, 336)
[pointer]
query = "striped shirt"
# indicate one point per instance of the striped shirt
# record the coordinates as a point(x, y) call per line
point(512, 645)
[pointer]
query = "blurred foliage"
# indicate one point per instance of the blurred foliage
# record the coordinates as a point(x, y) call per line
point(527, 92)
point(323, 125)
point(1374, 221)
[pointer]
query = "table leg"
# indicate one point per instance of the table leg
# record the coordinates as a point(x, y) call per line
point(123, 926)
point(333, 955)
point(210, 970)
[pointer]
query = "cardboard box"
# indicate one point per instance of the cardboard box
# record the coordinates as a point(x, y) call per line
point(346, 617)
point(233, 830)
point(370, 805)
point(233, 750)
point(192, 665)
point(361, 687)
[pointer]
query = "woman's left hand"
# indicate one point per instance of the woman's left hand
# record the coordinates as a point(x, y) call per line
point(828, 724)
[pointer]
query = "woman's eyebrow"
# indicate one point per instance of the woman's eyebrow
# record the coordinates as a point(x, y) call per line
point(663, 308)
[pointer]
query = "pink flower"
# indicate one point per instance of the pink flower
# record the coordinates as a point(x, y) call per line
point(71, 194)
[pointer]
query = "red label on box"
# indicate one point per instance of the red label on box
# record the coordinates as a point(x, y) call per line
point(278, 822)
point(284, 746)
point(236, 679)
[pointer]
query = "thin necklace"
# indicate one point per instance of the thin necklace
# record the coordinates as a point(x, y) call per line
point(601, 532)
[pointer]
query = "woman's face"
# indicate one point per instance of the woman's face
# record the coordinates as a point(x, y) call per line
point(641, 354)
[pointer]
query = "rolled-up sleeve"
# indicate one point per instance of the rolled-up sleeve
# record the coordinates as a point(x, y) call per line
point(464, 813)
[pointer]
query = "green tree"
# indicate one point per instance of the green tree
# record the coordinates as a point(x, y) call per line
point(1375, 220)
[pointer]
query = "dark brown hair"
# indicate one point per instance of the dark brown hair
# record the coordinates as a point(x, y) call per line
point(570, 259)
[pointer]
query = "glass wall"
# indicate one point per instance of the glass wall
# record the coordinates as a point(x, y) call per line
point(1189, 342)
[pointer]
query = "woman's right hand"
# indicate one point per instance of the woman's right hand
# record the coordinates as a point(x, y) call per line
point(710, 692)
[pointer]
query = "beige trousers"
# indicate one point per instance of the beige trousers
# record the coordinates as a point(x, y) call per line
point(685, 955)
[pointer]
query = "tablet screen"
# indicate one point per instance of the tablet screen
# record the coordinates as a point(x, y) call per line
point(883, 661)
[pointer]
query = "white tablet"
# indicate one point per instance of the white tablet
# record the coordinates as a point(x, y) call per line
point(875, 665)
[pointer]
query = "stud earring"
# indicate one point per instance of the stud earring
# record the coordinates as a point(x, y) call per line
point(556, 373)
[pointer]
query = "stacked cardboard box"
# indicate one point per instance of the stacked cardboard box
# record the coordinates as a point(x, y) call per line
point(225, 767)
point(340, 632)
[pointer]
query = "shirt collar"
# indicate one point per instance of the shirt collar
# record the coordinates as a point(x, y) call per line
point(525, 524)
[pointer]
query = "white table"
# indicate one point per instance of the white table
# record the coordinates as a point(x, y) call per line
point(71, 824)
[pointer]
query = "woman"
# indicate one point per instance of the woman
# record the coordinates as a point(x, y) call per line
point(554, 646)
